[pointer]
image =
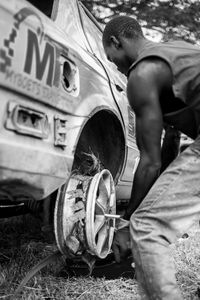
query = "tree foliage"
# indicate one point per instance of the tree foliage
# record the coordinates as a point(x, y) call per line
point(172, 19)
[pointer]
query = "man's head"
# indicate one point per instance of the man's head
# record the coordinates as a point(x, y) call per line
point(120, 40)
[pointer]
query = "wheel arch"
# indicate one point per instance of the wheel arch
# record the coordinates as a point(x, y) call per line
point(103, 135)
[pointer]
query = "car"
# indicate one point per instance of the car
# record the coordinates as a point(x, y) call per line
point(67, 135)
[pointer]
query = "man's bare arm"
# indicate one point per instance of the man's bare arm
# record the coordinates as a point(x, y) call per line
point(143, 91)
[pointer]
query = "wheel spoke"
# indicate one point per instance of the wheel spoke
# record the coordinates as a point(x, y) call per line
point(99, 209)
point(103, 194)
point(111, 234)
point(98, 223)
point(103, 236)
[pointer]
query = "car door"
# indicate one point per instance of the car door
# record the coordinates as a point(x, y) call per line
point(93, 33)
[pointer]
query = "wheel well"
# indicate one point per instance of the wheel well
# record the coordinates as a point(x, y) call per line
point(102, 136)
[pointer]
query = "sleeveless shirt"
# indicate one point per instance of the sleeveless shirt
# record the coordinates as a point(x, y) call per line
point(184, 61)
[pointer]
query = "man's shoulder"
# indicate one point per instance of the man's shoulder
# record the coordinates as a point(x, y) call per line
point(156, 57)
point(150, 68)
point(179, 43)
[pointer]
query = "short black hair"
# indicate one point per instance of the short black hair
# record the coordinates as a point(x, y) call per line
point(121, 26)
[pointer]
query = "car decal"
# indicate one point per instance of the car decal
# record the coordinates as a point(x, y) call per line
point(49, 58)
point(32, 67)
point(8, 52)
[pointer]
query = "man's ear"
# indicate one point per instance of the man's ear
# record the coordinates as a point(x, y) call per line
point(115, 41)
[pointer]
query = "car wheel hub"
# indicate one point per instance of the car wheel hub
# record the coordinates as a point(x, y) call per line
point(85, 214)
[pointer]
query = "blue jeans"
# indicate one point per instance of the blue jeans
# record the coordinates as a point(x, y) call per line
point(170, 208)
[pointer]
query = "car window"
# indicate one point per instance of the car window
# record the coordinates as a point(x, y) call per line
point(45, 7)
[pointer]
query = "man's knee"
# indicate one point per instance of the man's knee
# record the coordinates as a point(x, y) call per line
point(146, 228)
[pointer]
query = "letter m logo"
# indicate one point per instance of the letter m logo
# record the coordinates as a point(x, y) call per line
point(41, 63)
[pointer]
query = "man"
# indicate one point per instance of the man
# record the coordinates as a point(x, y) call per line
point(163, 87)
point(170, 146)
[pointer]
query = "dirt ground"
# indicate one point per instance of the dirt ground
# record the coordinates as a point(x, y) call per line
point(23, 244)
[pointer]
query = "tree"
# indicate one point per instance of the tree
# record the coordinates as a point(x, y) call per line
point(175, 18)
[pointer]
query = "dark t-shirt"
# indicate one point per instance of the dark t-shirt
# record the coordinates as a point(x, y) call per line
point(184, 61)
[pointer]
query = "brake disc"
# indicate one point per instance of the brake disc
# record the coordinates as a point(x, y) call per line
point(85, 214)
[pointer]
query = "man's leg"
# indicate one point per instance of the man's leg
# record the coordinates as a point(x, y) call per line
point(170, 208)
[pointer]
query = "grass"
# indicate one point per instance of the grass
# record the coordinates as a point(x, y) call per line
point(23, 244)
point(186, 253)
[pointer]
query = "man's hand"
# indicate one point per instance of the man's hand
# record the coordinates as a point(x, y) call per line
point(121, 243)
